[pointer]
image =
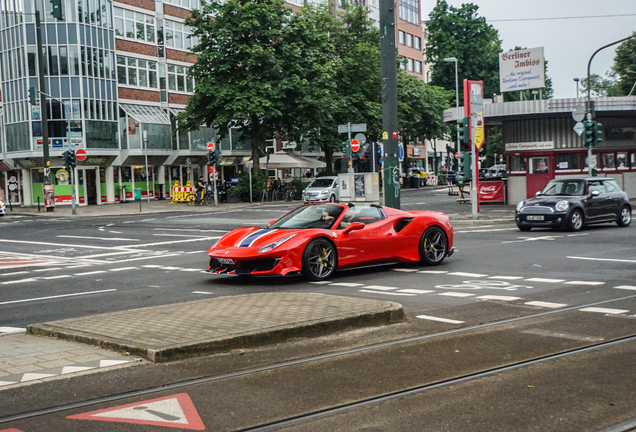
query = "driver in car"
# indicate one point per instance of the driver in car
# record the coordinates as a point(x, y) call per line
point(327, 218)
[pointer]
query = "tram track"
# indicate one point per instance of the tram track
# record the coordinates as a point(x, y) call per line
point(337, 408)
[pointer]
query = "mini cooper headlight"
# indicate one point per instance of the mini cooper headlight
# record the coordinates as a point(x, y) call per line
point(274, 245)
point(520, 206)
point(562, 205)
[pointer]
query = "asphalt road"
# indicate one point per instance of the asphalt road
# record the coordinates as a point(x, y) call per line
point(496, 338)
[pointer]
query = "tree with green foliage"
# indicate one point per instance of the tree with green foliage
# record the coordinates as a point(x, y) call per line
point(600, 86)
point(241, 75)
point(624, 68)
point(461, 33)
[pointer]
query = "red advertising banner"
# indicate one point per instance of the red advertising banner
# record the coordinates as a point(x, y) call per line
point(491, 191)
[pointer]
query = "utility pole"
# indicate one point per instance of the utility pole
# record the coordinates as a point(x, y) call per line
point(44, 115)
point(388, 73)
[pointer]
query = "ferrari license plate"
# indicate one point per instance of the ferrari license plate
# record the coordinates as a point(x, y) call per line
point(535, 218)
point(226, 260)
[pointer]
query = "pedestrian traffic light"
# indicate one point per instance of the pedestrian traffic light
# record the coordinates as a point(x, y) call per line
point(588, 133)
point(598, 134)
point(68, 158)
point(57, 9)
point(211, 158)
point(217, 154)
point(32, 95)
point(346, 149)
point(464, 165)
point(463, 130)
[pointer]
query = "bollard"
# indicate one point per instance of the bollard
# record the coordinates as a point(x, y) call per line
point(38, 204)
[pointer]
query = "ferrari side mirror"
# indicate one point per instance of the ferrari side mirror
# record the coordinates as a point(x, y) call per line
point(354, 226)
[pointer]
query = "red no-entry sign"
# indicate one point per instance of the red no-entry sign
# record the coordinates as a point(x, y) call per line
point(210, 146)
point(355, 145)
point(80, 155)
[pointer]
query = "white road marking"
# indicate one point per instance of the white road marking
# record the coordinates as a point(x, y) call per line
point(389, 293)
point(486, 231)
point(467, 274)
point(191, 269)
point(151, 266)
point(15, 273)
point(57, 277)
point(20, 281)
point(201, 292)
point(415, 291)
point(98, 238)
point(626, 287)
point(171, 268)
point(584, 283)
point(380, 287)
point(599, 259)
point(45, 269)
point(57, 296)
point(123, 268)
point(190, 230)
point(59, 244)
point(405, 270)
point(456, 294)
point(506, 277)
point(545, 280)
point(90, 273)
point(444, 320)
point(546, 304)
point(320, 283)
point(347, 284)
point(194, 252)
point(178, 235)
point(433, 271)
point(604, 310)
point(502, 298)
point(478, 227)
point(11, 330)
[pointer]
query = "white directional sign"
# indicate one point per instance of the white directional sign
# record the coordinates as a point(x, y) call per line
point(579, 128)
point(358, 127)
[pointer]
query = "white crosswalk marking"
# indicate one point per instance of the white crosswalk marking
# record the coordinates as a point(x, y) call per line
point(388, 293)
point(546, 304)
point(456, 294)
point(467, 274)
point(545, 280)
point(415, 291)
point(380, 287)
point(444, 320)
point(506, 277)
point(626, 287)
point(502, 298)
point(584, 283)
point(604, 310)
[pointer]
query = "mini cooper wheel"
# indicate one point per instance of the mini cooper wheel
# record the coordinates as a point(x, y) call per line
point(433, 246)
point(625, 217)
point(319, 259)
point(575, 221)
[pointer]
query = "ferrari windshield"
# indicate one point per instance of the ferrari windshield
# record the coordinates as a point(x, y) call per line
point(564, 188)
point(309, 216)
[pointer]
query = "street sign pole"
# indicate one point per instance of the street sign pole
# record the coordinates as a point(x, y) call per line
point(388, 74)
point(43, 104)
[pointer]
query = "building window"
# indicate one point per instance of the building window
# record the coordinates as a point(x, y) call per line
point(418, 67)
point(409, 40)
point(179, 80)
point(177, 35)
point(409, 65)
point(135, 72)
point(401, 37)
point(517, 164)
point(568, 161)
point(608, 161)
point(187, 4)
point(134, 25)
point(621, 159)
point(417, 43)
point(409, 11)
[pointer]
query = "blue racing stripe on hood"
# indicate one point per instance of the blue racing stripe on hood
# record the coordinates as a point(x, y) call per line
point(247, 241)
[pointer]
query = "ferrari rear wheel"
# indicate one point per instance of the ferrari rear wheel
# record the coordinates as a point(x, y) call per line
point(433, 246)
point(319, 259)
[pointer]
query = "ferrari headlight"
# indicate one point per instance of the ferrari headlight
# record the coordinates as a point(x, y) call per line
point(274, 245)
point(520, 206)
point(562, 205)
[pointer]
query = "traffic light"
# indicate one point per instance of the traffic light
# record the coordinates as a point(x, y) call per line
point(598, 134)
point(218, 156)
point(346, 149)
point(464, 165)
point(212, 158)
point(57, 9)
point(588, 133)
point(32, 95)
point(68, 158)
point(463, 130)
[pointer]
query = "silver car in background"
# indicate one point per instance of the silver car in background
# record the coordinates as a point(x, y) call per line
point(322, 189)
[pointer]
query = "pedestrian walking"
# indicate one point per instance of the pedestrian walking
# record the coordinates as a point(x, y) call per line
point(200, 188)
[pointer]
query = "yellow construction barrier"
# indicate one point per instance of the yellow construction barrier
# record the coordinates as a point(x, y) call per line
point(179, 193)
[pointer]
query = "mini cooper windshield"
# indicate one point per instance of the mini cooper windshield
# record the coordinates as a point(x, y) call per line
point(564, 188)
point(310, 216)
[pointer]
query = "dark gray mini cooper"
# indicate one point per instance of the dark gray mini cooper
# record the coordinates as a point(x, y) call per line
point(573, 203)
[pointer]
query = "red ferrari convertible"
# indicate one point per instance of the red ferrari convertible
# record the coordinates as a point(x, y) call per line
point(318, 239)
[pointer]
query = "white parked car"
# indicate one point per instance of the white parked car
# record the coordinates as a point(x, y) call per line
point(322, 189)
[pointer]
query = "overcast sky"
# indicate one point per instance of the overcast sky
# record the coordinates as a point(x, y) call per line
point(568, 43)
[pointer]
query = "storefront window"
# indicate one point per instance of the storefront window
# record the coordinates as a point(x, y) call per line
point(517, 164)
point(621, 160)
point(568, 161)
point(608, 161)
point(125, 175)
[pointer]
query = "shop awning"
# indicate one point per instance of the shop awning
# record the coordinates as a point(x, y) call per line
point(146, 114)
point(234, 160)
point(283, 161)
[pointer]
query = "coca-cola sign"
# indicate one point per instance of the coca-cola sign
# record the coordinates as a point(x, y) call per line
point(491, 191)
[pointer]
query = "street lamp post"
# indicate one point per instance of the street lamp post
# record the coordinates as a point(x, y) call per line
point(454, 60)
point(576, 80)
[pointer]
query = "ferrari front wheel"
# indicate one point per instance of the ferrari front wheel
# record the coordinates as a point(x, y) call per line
point(433, 246)
point(319, 259)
